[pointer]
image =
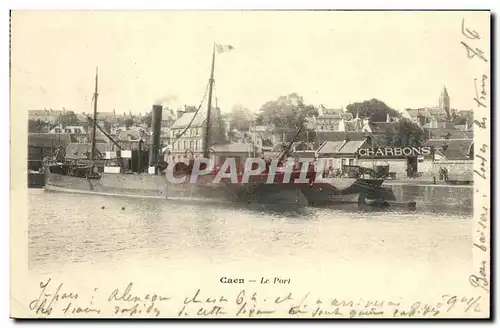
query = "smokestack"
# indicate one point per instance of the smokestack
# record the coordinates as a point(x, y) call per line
point(154, 144)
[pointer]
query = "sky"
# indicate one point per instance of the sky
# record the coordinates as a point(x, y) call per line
point(330, 58)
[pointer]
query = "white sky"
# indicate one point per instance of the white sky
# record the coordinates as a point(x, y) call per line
point(330, 58)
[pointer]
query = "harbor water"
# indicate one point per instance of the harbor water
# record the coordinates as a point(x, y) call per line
point(97, 235)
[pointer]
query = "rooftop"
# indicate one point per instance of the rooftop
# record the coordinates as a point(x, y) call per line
point(48, 140)
point(186, 118)
point(341, 147)
point(452, 149)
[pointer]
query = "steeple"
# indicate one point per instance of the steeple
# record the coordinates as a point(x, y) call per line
point(445, 92)
point(444, 103)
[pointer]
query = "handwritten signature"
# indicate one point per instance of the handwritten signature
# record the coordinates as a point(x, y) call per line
point(134, 305)
point(52, 300)
point(479, 279)
point(46, 301)
point(472, 35)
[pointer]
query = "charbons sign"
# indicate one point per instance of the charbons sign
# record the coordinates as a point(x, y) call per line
point(395, 151)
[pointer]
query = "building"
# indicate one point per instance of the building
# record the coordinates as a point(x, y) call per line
point(41, 145)
point(239, 151)
point(74, 129)
point(109, 117)
point(329, 120)
point(441, 112)
point(467, 114)
point(341, 152)
point(371, 151)
point(132, 133)
point(456, 155)
point(444, 104)
point(77, 133)
point(45, 115)
point(166, 136)
point(446, 130)
point(188, 131)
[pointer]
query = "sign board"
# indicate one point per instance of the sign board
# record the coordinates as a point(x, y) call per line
point(395, 152)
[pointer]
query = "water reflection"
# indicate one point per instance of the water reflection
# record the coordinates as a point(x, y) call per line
point(66, 228)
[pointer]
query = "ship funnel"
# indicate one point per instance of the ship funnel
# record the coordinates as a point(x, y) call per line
point(154, 144)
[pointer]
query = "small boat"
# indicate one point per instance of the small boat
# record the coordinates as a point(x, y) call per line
point(369, 201)
point(403, 205)
point(385, 203)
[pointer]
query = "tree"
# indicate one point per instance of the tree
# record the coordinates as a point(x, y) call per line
point(259, 119)
point(421, 119)
point(107, 126)
point(68, 118)
point(147, 119)
point(129, 122)
point(373, 109)
point(218, 130)
point(459, 120)
point(240, 118)
point(405, 133)
point(37, 126)
point(287, 111)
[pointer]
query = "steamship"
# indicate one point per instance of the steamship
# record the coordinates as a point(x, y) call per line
point(114, 180)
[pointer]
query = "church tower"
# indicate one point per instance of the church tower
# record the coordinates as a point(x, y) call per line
point(444, 103)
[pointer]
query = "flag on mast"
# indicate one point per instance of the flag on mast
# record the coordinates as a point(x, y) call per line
point(221, 48)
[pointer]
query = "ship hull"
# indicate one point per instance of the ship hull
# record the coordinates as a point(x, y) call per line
point(157, 186)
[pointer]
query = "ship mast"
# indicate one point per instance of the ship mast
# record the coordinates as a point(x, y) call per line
point(206, 142)
point(95, 117)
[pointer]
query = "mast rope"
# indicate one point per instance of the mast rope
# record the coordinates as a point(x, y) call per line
point(194, 116)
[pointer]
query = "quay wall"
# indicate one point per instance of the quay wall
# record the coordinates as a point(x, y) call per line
point(457, 169)
point(434, 195)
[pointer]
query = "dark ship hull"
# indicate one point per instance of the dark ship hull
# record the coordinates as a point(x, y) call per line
point(324, 192)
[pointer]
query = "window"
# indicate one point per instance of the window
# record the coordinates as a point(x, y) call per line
point(196, 144)
point(351, 161)
point(191, 145)
point(185, 145)
point(342, 162)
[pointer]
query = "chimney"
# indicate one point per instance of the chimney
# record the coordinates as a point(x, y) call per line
point(154, 144)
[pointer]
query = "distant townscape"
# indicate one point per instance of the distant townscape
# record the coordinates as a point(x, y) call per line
point(333, 133)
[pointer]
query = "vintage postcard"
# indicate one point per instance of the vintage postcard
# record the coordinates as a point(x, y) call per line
point(250, 164)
